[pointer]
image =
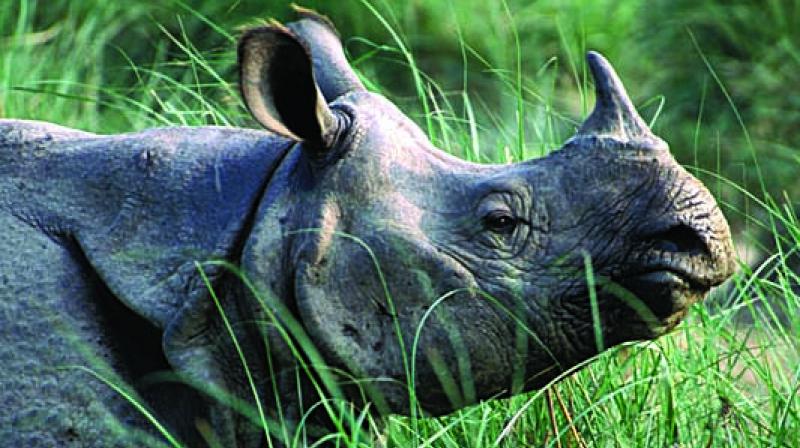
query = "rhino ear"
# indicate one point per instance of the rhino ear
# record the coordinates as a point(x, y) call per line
point(335, 76)
point(277, 83)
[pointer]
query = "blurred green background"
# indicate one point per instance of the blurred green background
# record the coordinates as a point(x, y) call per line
point(498, 81)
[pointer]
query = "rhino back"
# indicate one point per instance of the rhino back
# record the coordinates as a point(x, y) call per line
point(100, 235)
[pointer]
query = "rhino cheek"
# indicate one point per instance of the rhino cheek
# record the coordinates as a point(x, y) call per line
point(350, 332)
point(463, 352)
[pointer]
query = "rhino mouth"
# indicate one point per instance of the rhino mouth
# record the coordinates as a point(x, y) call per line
point(670, 283)
point(668, 291)
point(674, 268)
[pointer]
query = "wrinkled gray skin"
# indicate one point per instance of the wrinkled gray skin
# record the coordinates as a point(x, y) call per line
point(100, 235)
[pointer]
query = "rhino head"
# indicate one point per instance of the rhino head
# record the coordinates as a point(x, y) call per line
point(471, 280)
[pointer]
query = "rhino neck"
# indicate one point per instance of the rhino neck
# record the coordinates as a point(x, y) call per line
point(265, 251)
point(266, 263)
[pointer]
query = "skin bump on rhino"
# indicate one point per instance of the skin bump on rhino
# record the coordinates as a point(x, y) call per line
point(342, 223)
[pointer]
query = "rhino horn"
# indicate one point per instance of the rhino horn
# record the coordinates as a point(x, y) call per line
point(333, 73)
point(614, 115)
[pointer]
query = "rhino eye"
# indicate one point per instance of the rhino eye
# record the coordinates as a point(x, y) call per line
point(500, 222)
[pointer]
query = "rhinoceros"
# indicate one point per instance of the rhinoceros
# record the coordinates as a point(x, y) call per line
point(160, 282)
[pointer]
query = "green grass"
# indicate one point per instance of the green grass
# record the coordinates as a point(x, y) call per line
point(502, 82)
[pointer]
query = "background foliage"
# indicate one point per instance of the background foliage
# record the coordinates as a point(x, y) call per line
point(504, 81)
point(677, 57)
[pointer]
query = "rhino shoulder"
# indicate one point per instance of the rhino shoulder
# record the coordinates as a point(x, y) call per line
point(143, 206)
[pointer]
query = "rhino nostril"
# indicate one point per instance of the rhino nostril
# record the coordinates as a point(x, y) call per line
point(679, 239)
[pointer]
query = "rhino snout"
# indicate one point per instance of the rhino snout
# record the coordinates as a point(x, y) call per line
point(678, 263)
point(704, 259)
